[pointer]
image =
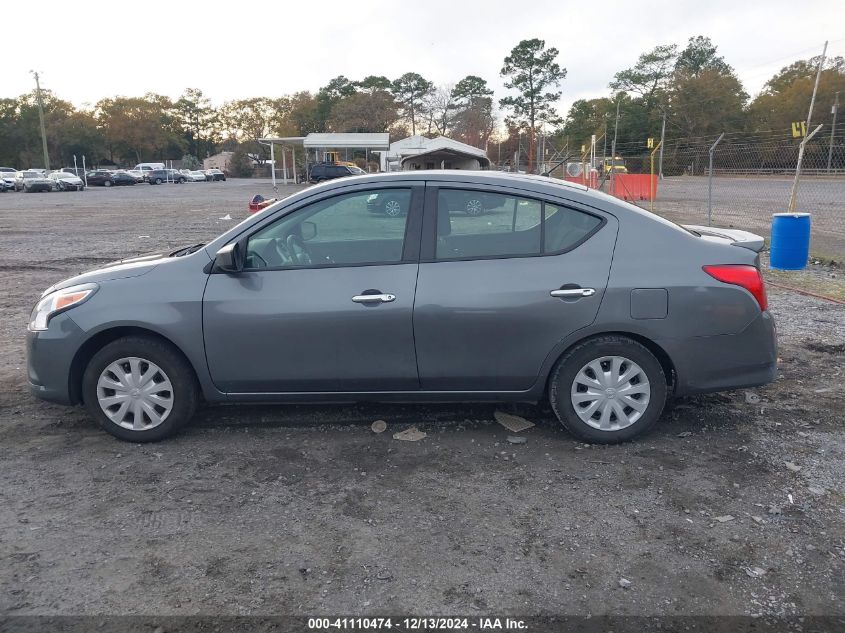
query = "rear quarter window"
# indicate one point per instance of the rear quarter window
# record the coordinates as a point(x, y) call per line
point(566, 227)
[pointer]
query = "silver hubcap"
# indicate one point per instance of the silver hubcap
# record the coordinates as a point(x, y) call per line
point(610, 393)
point(474, 207)
point(392, 208)
point(135, 393)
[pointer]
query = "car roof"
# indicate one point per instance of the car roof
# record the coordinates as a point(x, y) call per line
point(469, 176)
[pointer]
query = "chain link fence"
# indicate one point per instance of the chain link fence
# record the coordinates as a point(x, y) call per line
point(751, 180)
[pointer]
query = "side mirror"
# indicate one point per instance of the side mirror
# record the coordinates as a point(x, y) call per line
point(229, 259)
point(308, 230)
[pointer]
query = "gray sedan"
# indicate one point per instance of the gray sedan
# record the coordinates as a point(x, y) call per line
point(552, 291)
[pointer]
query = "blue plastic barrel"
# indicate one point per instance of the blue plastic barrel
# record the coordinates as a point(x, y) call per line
point(790, 243)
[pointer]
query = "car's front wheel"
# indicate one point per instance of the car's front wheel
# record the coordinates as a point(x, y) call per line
point(608, 389)
point(140, 389)
point(107, 183)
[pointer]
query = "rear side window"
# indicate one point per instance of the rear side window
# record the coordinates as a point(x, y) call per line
point(565, 227)
point(477, 224)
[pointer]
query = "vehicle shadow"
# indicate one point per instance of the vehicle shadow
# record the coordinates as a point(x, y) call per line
point(296, 415)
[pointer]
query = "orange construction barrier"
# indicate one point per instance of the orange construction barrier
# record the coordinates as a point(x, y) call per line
point(635, 186)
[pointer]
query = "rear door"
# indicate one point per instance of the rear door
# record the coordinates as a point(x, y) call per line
point(497, 290)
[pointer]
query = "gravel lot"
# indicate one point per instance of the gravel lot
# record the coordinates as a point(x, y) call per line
point(749, 203)
point(735, 504)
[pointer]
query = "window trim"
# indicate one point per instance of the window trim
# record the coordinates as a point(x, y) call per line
point(428, 253)
point(410, 245)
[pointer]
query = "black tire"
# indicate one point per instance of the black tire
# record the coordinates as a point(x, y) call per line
point(185, 392)
point(182, 181)
point(158, 181)
point(107, 183)
point(570, 364)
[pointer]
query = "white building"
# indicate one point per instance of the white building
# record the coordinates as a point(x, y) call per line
point(419, 152)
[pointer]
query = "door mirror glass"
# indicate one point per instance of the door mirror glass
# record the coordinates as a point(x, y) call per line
point(228, 259)
point(308, 230)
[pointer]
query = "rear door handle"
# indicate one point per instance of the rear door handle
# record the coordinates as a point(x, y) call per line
point(380, 298)
point(573, 292)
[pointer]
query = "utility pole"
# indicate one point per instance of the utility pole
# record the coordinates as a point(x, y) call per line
point(604, 151)
point(41, 120)
point(793, 198)
point(662, 138)
point(613, 148)
point(835, 110)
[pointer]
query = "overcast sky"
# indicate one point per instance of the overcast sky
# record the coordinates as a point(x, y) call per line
point(89, 50)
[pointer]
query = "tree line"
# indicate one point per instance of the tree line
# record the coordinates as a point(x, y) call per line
point(694, 89)
point(699, 96)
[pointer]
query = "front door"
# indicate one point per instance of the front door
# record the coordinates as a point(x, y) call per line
point(325, 301)
point(503, 278)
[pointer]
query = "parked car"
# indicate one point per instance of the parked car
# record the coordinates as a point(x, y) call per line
point(124, 178)
point(562, 293)
point(215, 174)
point(193, 175)
point(159, 176)
point(32, 181)
point(144, 167)
point(7, 180)
point(99, 177)
point(8, 170)
point(330, 171)
point(66, 181)
point(137, 174)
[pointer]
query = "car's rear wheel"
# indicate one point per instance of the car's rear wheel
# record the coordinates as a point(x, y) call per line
point(608, 389)
point(140, 389)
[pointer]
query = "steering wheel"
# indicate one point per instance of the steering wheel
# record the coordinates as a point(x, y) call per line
point(284, 254)
point(296, 247)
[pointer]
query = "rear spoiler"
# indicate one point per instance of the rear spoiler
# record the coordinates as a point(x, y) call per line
point(735, 236)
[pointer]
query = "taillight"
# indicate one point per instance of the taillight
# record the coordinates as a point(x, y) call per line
point(748, 277)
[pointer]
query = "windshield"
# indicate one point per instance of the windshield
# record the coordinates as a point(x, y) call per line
point(31, 174)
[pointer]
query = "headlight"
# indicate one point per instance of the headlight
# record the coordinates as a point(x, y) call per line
point(59, 301)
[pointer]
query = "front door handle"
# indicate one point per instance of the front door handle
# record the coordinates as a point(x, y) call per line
point(573, 292)
point(379, 298)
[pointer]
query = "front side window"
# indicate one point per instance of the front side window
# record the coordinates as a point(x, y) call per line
point(366, 227)
point(477, 224)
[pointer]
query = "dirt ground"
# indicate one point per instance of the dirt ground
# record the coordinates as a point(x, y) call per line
point(734, 504)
